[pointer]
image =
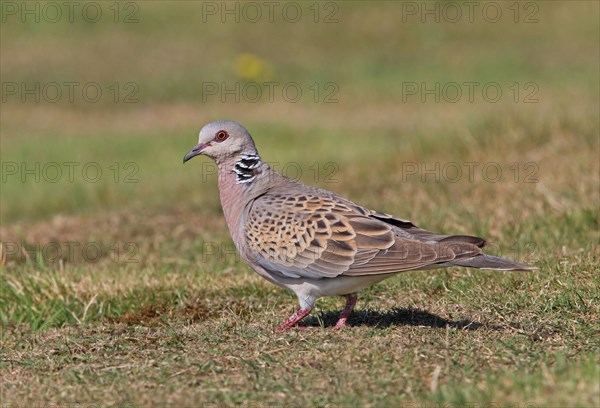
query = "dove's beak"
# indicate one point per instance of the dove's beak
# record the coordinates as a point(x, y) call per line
point(195, 151)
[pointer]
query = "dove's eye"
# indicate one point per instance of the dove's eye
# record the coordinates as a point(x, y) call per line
point(221, 135)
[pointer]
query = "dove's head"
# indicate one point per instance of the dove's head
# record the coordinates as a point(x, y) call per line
point(222, 140)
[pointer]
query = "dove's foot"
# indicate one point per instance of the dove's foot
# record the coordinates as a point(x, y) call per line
point(294, 319)
point(350, 303)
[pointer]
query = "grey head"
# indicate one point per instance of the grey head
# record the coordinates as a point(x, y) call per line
point(223, 140)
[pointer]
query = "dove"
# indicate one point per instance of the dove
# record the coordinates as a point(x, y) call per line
point(315, 242)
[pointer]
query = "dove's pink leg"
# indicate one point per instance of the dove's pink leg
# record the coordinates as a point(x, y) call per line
point(294, 319)
point(350, 302)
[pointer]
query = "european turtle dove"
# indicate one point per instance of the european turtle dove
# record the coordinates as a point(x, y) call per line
point(316, 242)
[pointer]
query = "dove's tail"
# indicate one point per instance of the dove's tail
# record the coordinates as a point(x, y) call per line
point(483, 261)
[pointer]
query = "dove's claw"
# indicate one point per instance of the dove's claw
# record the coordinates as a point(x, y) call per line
point(350, 303)
point(294, 319)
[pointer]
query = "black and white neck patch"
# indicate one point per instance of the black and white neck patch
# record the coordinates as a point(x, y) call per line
point(244, 168)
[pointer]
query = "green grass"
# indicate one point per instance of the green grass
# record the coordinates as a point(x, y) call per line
point(166, 314)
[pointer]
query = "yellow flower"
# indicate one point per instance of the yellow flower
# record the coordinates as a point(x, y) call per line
point(251, 67)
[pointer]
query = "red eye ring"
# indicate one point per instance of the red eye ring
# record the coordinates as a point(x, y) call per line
point(221, 135)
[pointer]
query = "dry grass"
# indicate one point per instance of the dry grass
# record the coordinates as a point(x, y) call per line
point(167, 315)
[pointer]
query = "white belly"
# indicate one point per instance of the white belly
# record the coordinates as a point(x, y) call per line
point(309, 290)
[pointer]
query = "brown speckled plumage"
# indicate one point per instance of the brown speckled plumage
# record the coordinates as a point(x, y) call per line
point(316, 242)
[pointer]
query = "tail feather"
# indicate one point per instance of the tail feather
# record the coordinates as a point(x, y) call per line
point(483, 261)
point(479, 242)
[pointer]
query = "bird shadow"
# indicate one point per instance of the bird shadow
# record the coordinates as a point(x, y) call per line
point(395, 317)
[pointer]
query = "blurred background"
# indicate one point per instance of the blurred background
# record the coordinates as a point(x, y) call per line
point(365, 87)
point(465, 117)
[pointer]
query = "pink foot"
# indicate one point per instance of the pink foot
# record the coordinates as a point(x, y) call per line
point(294, 319)
point(350, 303)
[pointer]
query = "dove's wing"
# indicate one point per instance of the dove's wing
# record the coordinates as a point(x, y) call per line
point(316, 234)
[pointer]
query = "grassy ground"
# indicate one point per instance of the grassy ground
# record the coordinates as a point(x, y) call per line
point(127, 291)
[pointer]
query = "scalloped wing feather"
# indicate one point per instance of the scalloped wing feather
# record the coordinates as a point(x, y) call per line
point(315, 236)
